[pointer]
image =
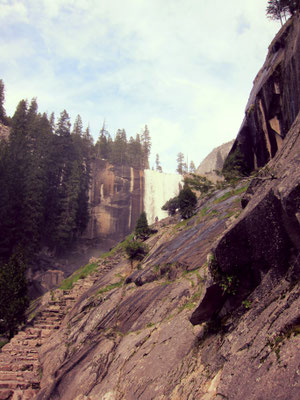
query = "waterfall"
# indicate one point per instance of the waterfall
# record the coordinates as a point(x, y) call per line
point(159, 188)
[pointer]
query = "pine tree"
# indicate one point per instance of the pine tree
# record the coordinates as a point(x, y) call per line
point(77, 128)
point(187, 202)
point(180, 163)
point(104, 144)
point(192, 167)
point(146, 146)
point(281, 9)
point(157, 163)
point(142, 229)
point(119, 149)
point(2, 99)
point(135, 152)
point(13, 294)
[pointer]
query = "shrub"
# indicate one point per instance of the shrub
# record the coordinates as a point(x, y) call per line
point(142, 229)
point(136, 250)
point(171, 206)
point(199, 182)
point(187, 201)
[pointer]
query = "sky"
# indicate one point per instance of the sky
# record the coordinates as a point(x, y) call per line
point(184, 68)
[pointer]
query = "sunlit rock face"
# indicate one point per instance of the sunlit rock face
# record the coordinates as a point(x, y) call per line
point(119, 194)
point(116, 201)
point(159, 188)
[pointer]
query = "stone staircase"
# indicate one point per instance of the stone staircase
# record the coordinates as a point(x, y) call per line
point(20, 369)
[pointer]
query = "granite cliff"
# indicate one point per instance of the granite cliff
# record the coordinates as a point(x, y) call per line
point(116, 201)
point(214, 161)
point(212, 311)
point(274, 101)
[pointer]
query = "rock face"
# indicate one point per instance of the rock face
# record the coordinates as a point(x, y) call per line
point(274, 101)
point(211, 313)
point(214, 161)
point(116, 200)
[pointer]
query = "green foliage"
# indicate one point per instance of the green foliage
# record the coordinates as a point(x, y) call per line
point(247, 304)
point(13, 294)
point(229, 284)
point(136, 250)
point(142, 229)
point(171, 206)
point(81, 273)
point(281, 9)
point(50, 174)
point(157, 163)
point(235, 166)
point(133, 153)
point(110, 287)
point(187, 201)
point(180, 163)
point(3, 343)
point(192, 168)
point(231, 193)
point(198, 182)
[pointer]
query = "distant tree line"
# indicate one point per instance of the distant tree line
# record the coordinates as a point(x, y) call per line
point(134, 152)
point(182, 165)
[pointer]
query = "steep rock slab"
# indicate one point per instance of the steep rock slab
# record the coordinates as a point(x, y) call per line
point(267, 234)
point(274, 101)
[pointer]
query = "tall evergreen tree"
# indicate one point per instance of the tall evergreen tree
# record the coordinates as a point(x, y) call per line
point(157, 163)
point(78, 126)
point(2, 99)
point(180, 163)
point(192, 167)
point(146, 146)
point(13, 294)
point(135, 152)
point(142, 229)
point(119, 149)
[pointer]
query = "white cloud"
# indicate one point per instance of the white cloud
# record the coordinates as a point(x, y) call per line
point(185, 68)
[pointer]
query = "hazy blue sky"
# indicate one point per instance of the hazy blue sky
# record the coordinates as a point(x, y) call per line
point(183, 67)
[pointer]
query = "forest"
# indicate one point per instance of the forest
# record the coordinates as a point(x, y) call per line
point(45, 171)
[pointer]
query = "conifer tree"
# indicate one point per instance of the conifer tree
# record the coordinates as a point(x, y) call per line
point(77, 127)
point(146, 146)
point(180, 163)
point(157, 163)
point(142, 229)
point(119, 149)
point(192, 167)
point(2, 99)
point(135, 152)
point(187, 201)
point(13, 294)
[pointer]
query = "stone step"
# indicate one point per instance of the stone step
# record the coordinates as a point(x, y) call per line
point(47, 326)
point(19, 366)
point(14, 384)
point(47, 321)
point(51, 313)
point(6, 394)
point(12, 348)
